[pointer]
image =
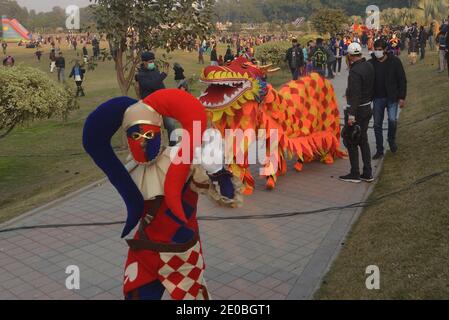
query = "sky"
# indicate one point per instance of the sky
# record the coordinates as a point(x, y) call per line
point(47, 5)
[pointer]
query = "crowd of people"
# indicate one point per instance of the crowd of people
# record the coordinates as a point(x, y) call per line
point(237, 45)
point(326, 57)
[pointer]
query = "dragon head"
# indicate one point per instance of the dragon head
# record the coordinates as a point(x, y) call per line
point(233, 85)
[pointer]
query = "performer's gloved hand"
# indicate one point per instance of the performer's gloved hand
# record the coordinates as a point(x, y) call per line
point(224, 179)
point(211, 157)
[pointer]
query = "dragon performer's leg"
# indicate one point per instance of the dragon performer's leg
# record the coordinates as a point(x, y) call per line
point(275, 167)
point(299, 165)
point(244, 174)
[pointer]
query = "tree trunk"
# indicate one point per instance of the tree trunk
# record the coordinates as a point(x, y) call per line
point(125, 78)
point(121, 73)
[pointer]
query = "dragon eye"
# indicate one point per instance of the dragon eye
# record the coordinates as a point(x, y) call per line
point(244, 66)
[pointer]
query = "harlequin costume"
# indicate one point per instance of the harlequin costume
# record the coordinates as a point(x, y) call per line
point(160, 191)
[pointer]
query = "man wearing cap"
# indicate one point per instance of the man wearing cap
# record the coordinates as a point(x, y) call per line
point(148, 77)
point(359, 95)
point(150, 80)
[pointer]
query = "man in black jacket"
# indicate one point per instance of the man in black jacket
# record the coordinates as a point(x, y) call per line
point(60, 67)
point(214, 56)
point(390, 91)
point(148, 77)
point(358, 114)
point(150, 80)
point(295, 59)
point(422, 38)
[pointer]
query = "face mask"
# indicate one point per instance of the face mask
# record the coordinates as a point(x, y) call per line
point(379, 54)
point(151, 66)
point(145, 143)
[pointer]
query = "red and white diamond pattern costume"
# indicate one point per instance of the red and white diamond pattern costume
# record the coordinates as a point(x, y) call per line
point(182, 274)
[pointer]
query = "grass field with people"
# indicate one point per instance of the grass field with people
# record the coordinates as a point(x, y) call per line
point(406, 234)
point(45, 160)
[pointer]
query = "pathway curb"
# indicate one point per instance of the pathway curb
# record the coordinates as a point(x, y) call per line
point(52, 203)
point(309, 282)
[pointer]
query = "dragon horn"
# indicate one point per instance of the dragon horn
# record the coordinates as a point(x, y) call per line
point(266, 67)
point(273, 70)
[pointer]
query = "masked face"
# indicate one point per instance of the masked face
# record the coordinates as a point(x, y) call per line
point(379, 54)
point(145, 142)
point(151, 66)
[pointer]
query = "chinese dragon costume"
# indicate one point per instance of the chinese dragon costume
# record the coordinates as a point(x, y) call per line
point(304, 113)
point(160, 192)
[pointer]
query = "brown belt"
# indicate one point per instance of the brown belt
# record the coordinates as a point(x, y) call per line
point(146, 244)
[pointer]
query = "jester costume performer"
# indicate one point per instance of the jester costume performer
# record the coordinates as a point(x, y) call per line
point(304, 114)
point(160, 187)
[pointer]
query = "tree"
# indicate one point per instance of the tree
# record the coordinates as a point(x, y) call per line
point(28, 94)
point(433, 9)
point(132, 26)
point(329, 21)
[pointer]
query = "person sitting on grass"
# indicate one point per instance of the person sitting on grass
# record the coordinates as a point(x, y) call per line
point(9, 61)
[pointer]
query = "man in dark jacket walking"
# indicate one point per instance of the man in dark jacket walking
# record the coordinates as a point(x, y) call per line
point(150, 80)
point(60, 67)
point(358, 114)
point(295, 59)
point(319, 57)
point(148, 77)
point(214, 56)
point(422, 38)
point(390, 91)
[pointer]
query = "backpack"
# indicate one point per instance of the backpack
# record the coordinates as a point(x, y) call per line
point(319, 57)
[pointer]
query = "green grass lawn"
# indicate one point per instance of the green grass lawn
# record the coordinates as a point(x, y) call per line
point(45, 160)
point(407, 235)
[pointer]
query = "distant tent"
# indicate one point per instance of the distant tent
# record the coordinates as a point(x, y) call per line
point(13, 31)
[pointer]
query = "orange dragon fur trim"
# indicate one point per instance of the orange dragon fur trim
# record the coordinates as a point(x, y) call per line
point(304, 113)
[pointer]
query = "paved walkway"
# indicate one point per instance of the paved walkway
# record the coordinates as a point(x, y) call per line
point(283, 258)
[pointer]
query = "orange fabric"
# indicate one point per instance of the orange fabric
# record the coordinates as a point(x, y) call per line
point(306, 116)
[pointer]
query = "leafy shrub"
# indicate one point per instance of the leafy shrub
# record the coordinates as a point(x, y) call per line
point(274, 52)
point(28, 94)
